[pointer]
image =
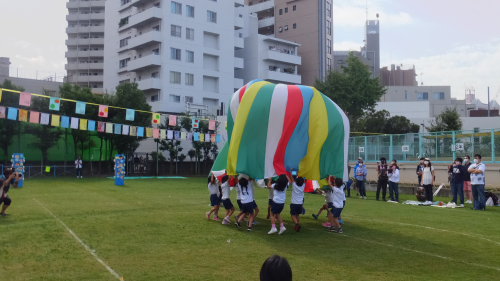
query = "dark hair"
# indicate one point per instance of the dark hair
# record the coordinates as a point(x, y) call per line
point(339, 182)
point(395, 161)
point(467, 156)
point(243, 183)
point(299, 181)
point(210, 179)
point(459, 159)
point(383, 159)
point(225, 178)
point(281, 183)
point(7, 172)
point(477, 155)
point(276, 268)
point(422, 158)
point(430, 164)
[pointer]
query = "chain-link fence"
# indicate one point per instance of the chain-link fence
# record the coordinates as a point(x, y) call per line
point(438, 146)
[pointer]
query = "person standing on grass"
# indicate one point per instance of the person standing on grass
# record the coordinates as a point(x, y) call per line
point(394, 182)
point(383, 178)
point(247, 203)
point(476, 171)
point(297, 200)
point(78, 166)
point(9, 178)
point(280, 188)
point(226, 200)
point(361, 173)
point(428, 180)
point(338, 205)
point(213, 188)
point(467, 185)
point(457, 171)
point(420, 168)
point(360, 162)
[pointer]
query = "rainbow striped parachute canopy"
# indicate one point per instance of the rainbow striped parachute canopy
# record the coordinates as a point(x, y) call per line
point(274, 127)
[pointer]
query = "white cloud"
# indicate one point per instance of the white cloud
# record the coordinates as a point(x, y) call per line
point(346, 46)
point(353, 14)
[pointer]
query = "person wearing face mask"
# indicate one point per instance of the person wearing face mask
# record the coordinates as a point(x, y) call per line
point(420, 168)
point(457, 180)
point(428, 180)
point(383, 178)
point(394, 182)
point(361, 173)
point(355, 174)
point(476, 171)
point(467, 186)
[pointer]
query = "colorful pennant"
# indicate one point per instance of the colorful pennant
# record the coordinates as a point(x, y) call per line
point(34, 117)
point(156, 133)
point(91, 125)
point(44, 118)
point(156, 118)
point(109, 128)
point(172, 120)
point(83, 124)
point(133, 130)
point(170, 134)
point(25, 99)
point(125, 129)
point(211, 124)
point(163, 134)
point(12, 113)
point(130, 115)
point(80, 107)
point(55, 120)
point(64, 122)
point(23, 115)
point(74, 123)
point(196, 123)
point(140, 131)
point(149, 132)
point(103, 110)
point(55, 103)
point(101, 127)
point(2, 110)
point(118, 129)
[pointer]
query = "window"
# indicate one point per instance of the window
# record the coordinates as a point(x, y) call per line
point(280, 29)
point(157, 5)
point(189, 33)
point(328, 27)
point(155, 51)
point(281, 12)
point(438, 95)
point(125, 2)
point(175, 30)
point(156, 28)
point(175, 98)
point(422, 96)
point(406, 95)
point(124, 42)
point(189, 11)
point(175, 77)
point(286, 10)
point(189, 78)
point(124, 62)
point(329, 46)
point(154, 75)
point(175, 54)
point(154, 98)
point(328, 9)
point(176, 8)
point(286, 27)
point(294, 26)
point(211, 16)
point(329, 63)
point(189, 56)
point(188, 98)
point(294, 7)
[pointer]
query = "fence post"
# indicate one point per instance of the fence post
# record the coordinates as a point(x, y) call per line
point(390, 149)
point(420, 152)
point(436, 147)
point(366, 148)
point(29, 171)
point(472, 140)
point(454, 148)
point(54, 171)
point(492, 145)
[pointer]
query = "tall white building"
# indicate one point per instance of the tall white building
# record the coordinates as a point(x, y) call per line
point(181, 53)
point(85, 43)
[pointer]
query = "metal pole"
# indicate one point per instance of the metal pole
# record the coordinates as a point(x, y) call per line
point(436, 147)
point(488, 101)
point(472, 143)
point(157, 157)
point(492, 145)
point(455, 148)
point(390, 149)
point(366, 148)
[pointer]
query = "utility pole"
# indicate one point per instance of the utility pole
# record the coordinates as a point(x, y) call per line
point(489, 101)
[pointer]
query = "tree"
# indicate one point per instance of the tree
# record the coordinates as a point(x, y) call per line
point(381, 122)
point(447, 120)
point(400, 125)
point(9, 128)
point(352, 89)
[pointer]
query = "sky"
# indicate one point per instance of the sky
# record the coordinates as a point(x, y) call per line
point(452, 42)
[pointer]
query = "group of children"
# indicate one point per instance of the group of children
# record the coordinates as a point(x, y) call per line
point(220, 191)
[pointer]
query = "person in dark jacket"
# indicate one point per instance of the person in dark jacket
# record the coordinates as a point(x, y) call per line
point(420, 168)
point(457, 171)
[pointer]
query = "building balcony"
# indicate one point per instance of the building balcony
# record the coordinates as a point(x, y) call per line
point(279, 76)
point(85, 79)
point(143, 18)
point(266, 22)
point(239, 3)
point(149, 84)
point(84, 66)
point(85, 29)
point(85, 4)
point(145, 39)
point(91, 16)
point(263, 6)
point(87, 41)
point(84, 54)
point(238, 83)
point(239, 43)
point(238, 63)
point(122, 69)
point(239, 23)
point(281, 57)
point(147, 61)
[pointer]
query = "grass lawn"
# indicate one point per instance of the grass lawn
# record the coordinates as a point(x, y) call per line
point(155, 229)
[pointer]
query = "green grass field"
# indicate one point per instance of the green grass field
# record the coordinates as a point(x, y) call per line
point(156, 230)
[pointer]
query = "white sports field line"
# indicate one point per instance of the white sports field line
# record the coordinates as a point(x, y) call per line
point(81, 242)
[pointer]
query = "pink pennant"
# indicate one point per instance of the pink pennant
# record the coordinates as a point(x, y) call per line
point(25, 99)
point(34, 117)
point(156, 133)
point(211, 124)
point(172, 120)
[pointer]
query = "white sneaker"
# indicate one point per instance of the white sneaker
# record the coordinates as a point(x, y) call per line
point(364, 197)
point(282, 230)
point(81, 177)
point(273, 230)
point(461, 205)
point(360, 197)
point(468, 202)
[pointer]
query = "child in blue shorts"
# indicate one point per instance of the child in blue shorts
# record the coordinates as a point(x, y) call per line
point(278, 202)
point(338, 205)
point(297, 200)
point(213, 187)
point(226, 201)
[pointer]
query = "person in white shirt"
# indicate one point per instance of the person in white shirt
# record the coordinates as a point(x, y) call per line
point(338, 205)
point(476, 171)
point(280, 188)
point(78, 166)
point(213, 188)
point(247, 202)
point(297, 200)
point(428, 180)
point(226, 201)
point(394, 182)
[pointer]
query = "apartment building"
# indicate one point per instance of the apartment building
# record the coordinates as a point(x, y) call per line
point(181, 53)
point(267, 57)
point(398, 75)
point(342, 56)
point(308, 23)
point(371, 49)
point(85, 43)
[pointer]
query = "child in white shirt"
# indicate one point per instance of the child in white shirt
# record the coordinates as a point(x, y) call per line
point(278, 203)
point(338, 205)
point(226, 201)
point(213, 187)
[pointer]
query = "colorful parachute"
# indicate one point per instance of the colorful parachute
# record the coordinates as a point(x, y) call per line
point(274, 127)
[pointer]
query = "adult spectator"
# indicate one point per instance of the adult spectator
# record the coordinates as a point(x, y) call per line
point(6, 180)
point(476, 171)
point(360, 174)
point(78, 166)
point(420, 168)
point(428, 180)
point(467, 186)
point(355, 171)
point(394, 181)
point(276, 268)
point(383, 178)
point(137, 161)
point(457, 171)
